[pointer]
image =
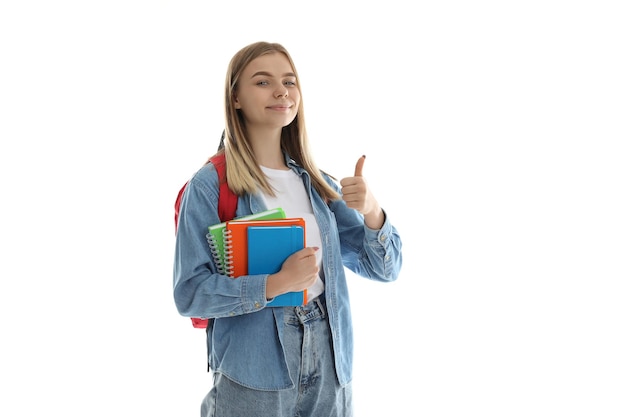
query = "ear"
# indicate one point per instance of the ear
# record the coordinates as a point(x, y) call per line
point(236, 101)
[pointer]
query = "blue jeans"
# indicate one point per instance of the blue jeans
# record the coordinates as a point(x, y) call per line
point(308, 346)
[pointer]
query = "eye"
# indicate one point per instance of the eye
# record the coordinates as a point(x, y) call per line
point(291, 83)
point(262, 82)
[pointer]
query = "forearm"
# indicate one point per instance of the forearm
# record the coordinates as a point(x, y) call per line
point(375, 218)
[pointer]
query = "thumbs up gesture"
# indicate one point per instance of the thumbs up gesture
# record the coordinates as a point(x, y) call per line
point(357, 195)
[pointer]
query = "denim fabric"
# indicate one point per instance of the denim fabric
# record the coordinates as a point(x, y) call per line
point(306, 336)
point(245, 340)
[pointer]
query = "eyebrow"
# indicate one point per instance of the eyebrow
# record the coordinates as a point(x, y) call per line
point(267, 74)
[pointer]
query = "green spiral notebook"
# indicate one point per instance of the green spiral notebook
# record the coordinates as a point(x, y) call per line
point(215, 236)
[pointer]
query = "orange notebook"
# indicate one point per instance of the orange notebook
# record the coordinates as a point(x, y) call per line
point(236, 241)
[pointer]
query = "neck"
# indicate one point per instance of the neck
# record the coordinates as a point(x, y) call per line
point(266, 148)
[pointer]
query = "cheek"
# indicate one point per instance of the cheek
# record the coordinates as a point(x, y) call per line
point(245, 104)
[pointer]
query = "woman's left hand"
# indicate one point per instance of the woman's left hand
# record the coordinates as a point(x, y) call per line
point(358, 196)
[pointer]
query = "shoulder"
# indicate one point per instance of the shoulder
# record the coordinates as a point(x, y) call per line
point(205, 178)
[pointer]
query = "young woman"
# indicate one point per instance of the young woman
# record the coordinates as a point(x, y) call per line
point(279, 361)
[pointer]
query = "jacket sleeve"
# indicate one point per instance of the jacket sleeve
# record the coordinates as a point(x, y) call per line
point(373, 254)
point(199, 290)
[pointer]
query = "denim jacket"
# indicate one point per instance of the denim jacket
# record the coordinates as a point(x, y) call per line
point(244, 337)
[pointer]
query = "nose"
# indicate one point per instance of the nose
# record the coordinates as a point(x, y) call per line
point(281, 92)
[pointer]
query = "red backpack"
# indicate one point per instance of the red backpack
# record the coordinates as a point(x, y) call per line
point(226, 208)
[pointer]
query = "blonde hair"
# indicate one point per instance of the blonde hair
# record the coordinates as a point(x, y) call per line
point(243, 173)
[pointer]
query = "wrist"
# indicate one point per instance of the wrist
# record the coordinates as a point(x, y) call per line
point(375, 218)
point(272, 286)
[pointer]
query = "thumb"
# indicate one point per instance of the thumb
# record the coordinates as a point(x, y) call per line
point(358, 170)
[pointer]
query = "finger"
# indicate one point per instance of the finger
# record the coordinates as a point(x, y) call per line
point(309, 251)
point(358, 170)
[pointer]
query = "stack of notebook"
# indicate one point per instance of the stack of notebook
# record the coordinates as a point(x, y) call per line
point(258, 244)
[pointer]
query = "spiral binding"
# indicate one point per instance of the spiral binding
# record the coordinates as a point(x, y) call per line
point(228, 253)
point(215, 253)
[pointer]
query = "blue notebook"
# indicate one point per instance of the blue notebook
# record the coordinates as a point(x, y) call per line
point(268, 248)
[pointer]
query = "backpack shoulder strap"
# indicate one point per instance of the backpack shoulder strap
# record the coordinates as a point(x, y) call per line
point(179, 198)
point(227, 203)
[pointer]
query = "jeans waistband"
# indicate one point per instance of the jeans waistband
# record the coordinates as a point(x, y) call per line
point(313, 310)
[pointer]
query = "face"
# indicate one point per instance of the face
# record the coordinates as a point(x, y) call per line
point(267, 93)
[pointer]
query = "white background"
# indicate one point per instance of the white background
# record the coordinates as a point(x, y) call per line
point(494, 134)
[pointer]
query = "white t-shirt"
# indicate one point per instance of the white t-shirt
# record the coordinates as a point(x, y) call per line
point(291, 196)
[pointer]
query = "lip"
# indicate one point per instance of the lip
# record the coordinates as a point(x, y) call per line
point(280, 107)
